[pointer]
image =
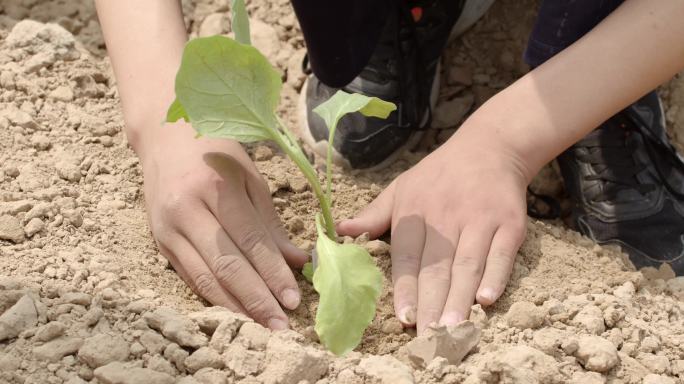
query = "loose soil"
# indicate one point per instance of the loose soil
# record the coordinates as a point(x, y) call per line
point(86, 296)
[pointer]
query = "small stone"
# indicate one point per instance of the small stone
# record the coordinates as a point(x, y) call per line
point(649, 344)
point(478, 316)
point(625, 291)
point(41, 142)
point(652, 378)
point(34, 226)
point(290, 362)
point(49, 331)
point(20, 317)
point(392, 326)
point(73, 216)
point(176, 327)
point(160, 364)
point(449, 113)
point(10, 229)
point(53, 351)
point(590, 318)
point(438, 367)
point(204, 357)
point(243, 362)
point(452, 343)
point(214, 376)
point(524, 315)
point(263, 153)
point(386, 369)
point(215, 24)
point(298, 184)
point(153, 342)
point(596, 353)
point(549, 340)
point(526, 364)
point(21, 118)
point(62, 93)
point(68, 171)
point(119, 373)
point(253, 336)
point(176, 355)
point(654, 363)
point(377, 247)
point(210, 318)
point(103, 349)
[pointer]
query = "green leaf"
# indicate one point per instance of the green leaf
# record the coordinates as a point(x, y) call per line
point(342, 103)
point(308, 272)
point(349, 285)
point(228, 90)
point(176, 112)
point(240, 22)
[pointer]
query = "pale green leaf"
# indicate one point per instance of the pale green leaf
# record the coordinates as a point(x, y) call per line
point(176, 112)
point(341, 103)
point(240, 22)
point(308, 272)
point(228, 90)
point(349, 284)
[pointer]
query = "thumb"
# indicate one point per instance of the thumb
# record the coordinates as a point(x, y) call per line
point(374, 219)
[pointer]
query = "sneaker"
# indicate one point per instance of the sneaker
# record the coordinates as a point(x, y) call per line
point(403, 69)
point(626, 183)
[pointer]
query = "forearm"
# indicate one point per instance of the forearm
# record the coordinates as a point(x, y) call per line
point(145, 41)
point(631, 52)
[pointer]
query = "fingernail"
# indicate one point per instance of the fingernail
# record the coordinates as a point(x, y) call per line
point(489, 294)
point(451, 318)
point(291, 298)
point(407, 315)
point(277, 324)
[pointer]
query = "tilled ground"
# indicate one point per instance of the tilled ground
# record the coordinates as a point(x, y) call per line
point(86, 297)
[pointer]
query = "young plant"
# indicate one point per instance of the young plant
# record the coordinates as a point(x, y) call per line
point(227, 89)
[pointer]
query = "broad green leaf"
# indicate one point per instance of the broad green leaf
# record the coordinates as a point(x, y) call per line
point(308, 272)
point(176, 112)
point(228, 90)
point(240, 22)
point(349, 285)
point(341, 103)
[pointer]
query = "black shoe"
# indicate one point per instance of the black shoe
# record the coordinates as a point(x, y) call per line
point(627, 186)
point(403, 70)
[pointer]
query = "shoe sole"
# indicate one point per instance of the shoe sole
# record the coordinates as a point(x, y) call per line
point(473, 10)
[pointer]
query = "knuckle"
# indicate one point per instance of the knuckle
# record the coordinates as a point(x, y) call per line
point(436, 275)
point(249, 239)
point(259, 306)
point(227, 267)
point(204, 284)
point(470, 264)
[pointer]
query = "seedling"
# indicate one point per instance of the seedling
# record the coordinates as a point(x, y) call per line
point(227, 89)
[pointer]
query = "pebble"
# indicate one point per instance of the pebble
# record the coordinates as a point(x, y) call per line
point(298, 184)
point(526, 364)
point(452, 343)
point(524, 315)
point(289, 362)
point(175, 327)
point(53, 351)
point(10, 229)
point(160, 364)
point(49, 331)
point(103, 349)
point(214, 376)
point(253, 336)
point(596, 353)
point(40, 142)
point(176, 355)
point(34, 226)
point(243, 362)
point(119, 373)
point(377, 247)
point(590, 317)
point(153, 342)
point(392, 326)
point(68, 171)
point(652, 378)
point(18, 318)
point(386, 369)
point(204, 357)
point(62, 93)
point(654, 363)
point(263, 153)
point(449, 113)
point(478, 316)
point(210, 318)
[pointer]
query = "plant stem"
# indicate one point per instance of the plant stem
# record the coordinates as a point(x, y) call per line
point(287, 142)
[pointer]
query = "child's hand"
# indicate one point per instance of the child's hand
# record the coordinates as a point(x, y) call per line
point(458, 218)
point(212, 216)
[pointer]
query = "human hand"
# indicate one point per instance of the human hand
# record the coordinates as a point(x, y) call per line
point(212, 216)
point(458, 218)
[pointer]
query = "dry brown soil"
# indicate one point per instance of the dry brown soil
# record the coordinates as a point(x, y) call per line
point(86, 297)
